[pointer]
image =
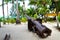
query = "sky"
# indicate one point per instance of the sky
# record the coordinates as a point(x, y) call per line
point(9, 6)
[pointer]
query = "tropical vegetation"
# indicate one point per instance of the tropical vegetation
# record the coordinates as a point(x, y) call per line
point(41, 8)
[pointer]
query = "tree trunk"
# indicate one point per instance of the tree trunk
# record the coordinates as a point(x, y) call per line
point(57, 15)
point(57, 11)
point(57, 20)
point(18, 16)
point(23, 7)
point(3, 11)
point(13, 6)
point(7, 13)
point(0, 24)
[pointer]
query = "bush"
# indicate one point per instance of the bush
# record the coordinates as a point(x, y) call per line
point(35, 16)
point(23, 19)
point(49, 19)
point(0, 20)
point(11, 20)
point(59, 18)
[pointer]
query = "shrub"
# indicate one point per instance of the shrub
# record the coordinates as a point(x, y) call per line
point(11, 20)
point(59, 18)
point(23, 19)
point(35, 16)
point(0, 20)
point(49, 19)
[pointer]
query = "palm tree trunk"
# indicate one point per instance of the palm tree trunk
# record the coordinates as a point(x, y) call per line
point(7, 13)
point(57, 15)
point(57, 20)
point(23, 7)
point(13, 6)
point(17, 9)
point(3, 11)
point(17, 19)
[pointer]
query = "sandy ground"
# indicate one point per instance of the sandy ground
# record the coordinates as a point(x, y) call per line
point(20, 32)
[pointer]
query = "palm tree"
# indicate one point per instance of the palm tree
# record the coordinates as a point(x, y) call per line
point(23, 6)
point(3, 11)
point(13, 5)
point(17, 19)
point(17, 10)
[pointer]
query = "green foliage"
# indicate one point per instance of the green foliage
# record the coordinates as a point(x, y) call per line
point(38, 2)
point(30, 11)
point(41, 5)
point(32, 2)
point(11, 20)
point(0, 19)
point(7, 1)
point(59, 18)
point(3, 19)
point(43, 10)
point(20, 9)
point(50, 19)
point(35, 16)
point(58, 6)
point(23, 19)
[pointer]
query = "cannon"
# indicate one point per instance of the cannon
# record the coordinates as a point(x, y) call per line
point(41, 30)
point(39, 20)
point(37, 27)
point(31, 24)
